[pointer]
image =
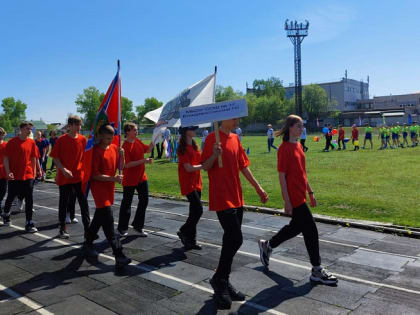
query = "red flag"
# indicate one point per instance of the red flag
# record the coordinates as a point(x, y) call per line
point(108, 113)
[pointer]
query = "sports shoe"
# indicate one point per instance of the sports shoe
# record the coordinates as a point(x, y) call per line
point(6, 219)
point(74, 221)
point(123, 233)
point(121, 261)
point(68, 220)
point(64, 234)
point(234, 294)
point(321, 275)
point(30, 227)
point(265, 252)
point(221, 294)
point(192, 244)
point(141, 232)
point(90, 252)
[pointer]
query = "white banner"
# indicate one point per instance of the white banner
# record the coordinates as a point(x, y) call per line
point(192, 116)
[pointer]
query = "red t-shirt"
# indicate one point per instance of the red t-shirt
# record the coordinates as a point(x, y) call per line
point(3, 174)
point(225, 190)
point(355, 133)
point(20, 153)
point(104, 162)
point(133, 152)
point(341, 134)
point(189, 181)
point(291, 161)
point(69, 151)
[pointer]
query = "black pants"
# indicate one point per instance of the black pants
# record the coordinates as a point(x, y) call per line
point(194, 215)
point(19, 188)
point(270, 144)
point(66, 191)
point(3, 190)
point(103, 218)
point(125, 209)
point(302, 142)
point(71, 206)
point(328, 143)
point(341, 141)
point(231, 221)
point(302, 222)
point(159, 148)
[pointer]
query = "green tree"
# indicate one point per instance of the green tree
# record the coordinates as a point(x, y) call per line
point(13, 113)
point(269, 87)
point(150, 104)
point(315, 101)
point(227, 94)
point(88, 103)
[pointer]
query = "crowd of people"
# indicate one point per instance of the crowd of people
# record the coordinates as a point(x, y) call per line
point(18, 170)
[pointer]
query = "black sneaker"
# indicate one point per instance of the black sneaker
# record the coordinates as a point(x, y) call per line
point(122, 233)
point(140, 231)
point(6, 219)
point(30, 227)
point(321, 275)
point(265, 252)
point(234, 294)
point(64, 234)
point(121, 261)
point(192, 244)
point(90, 252)
point(221, 294)
point(182, 237)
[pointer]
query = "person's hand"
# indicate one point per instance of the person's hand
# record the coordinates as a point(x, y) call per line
point(313, 200)
point(118, 179)
point(67, 173)
point(217, 149)
point(288, 208)
point(148, 161)
point(10, 176)
point(263, 195)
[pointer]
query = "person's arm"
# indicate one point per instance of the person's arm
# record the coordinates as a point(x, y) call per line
point(192, 168)
point(311, 195)
point(138, 162)
point(285, 193)
point(7, 169)
point(67, 173)
point(251, 179)
point(107, 178)
point(208, 164)
point(34, 162)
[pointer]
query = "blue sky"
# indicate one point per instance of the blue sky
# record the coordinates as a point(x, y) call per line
point(52, 50)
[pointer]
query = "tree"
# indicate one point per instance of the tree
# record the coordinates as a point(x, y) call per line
point(88, 103)
point(315, 101)
point(150, 104)
point(13, 113)
point(269, 87)
point(227, 94)
point(127, 110)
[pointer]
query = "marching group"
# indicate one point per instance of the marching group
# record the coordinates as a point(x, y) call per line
point(18, 165)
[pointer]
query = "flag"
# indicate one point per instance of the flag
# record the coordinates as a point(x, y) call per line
point(317, 123)
point(409, 119)
point(199, 93)
point(109, 112)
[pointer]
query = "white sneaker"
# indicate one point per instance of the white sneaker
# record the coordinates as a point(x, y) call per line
point(68, 220)
point(321, 275)
point(74, 221)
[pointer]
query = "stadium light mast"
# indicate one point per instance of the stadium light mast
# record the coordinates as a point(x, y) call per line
point(297, 32)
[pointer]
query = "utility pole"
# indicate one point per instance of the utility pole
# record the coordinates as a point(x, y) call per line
point(297, 32)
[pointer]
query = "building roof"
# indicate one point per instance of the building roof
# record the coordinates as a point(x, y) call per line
point(39, 124)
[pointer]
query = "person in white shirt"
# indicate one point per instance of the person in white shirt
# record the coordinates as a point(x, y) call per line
point(270, 138)
point(303, 139)
point(203, 138)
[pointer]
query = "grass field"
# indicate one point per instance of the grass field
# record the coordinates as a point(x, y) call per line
point(378, 185)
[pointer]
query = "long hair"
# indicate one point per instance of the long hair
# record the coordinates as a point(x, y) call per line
point(182, 145)
point(284, 131)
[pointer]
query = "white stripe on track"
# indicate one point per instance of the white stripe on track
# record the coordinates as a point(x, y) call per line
point(150, 269)
point(284, 262)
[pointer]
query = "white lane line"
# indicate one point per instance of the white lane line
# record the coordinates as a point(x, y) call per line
point(284, 262)
point(24, 300)
point(150, 269)
point(272, 231)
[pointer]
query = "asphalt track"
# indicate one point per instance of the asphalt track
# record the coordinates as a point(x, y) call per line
point(39, 273)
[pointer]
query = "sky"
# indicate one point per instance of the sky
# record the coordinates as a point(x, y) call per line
point(52, 50)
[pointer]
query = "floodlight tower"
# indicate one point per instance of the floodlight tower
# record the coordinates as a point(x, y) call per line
point(297, 32)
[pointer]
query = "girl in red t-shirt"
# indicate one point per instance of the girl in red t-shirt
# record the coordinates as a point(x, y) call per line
point(294, 186)
point(189, 167)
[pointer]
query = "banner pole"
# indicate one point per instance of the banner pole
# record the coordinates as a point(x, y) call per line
point(119, 117)
point(216, 124)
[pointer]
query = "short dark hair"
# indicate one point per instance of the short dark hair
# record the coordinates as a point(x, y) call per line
point(74, 119)
point(2, 131)
point(25, 123)
point(128, 127)
point(106, 130)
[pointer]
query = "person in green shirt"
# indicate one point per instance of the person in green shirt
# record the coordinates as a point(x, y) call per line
point(395, 130)
point(382, 136)
point(414, 129)
point(387, 132)
point(368, 136)
point(405, 129)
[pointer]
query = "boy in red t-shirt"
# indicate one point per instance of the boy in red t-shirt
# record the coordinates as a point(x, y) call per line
point(341, 138)
point(20, 158)
point(294, 186)
point(189, 166)
point(67, 154)
point(134, 178)
point(355, 137)
point(105, 159)
point(225, 196)
point(3, 175)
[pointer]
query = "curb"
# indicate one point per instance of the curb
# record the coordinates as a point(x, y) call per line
point(410, 232)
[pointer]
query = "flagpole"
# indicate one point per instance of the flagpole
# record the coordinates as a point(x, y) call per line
point(216, 124)
point(119, 116)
